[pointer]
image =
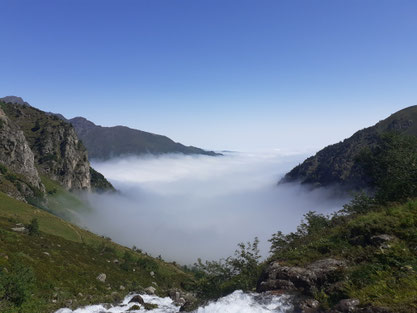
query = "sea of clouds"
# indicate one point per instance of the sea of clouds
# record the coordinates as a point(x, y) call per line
point(187, 207)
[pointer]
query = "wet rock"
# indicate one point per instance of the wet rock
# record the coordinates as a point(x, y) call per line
point(137, 299)
point(347, 305)
point(101, 277)
point(150, 306)
point(306, 305)
point(134, 308)
point(189, 306)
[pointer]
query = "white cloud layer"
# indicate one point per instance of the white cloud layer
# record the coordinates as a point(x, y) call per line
point(185, 207)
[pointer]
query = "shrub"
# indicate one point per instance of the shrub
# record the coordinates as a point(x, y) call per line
point(392, 167)
point(218, 278)
point(3, 169)
point(33, 227)
point(17, 285)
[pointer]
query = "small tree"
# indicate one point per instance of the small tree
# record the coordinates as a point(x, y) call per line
point(33, 227)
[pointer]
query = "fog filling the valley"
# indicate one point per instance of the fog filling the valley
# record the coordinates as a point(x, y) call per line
point(186, 207)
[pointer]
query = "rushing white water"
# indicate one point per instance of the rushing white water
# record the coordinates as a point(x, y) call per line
point(240, 302)
point(237, 302)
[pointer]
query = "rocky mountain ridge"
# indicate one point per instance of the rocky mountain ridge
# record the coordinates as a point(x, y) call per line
point(37, 144)
point(108, 142)
point(336, 164)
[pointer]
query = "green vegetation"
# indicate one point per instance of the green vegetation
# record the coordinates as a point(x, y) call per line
point(391, 166)
point(33, 227)
point(219, 278)
point(65, 261)
point(335, 164)
point(382, 272)
point(16, 287)
point(60, 201)
point(379, 274)
point(99, 183)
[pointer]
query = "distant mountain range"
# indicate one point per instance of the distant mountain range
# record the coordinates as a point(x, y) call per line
point(335, 164)
point(108, 142)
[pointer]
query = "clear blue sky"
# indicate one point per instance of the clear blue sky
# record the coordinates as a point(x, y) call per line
point(216, 73)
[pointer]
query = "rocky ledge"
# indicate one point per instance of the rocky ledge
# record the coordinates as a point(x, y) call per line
point(306, 282)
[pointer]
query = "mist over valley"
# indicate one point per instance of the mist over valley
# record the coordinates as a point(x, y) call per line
point(187, 207)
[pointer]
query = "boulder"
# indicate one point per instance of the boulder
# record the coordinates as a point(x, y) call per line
point(137, 299)
point(306, 305)
point(347, 305)
point(305, 279)
point(101, 277)
point(150, 290)
point(19, 229)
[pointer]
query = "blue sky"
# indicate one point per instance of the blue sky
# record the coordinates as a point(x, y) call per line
point(218, 74)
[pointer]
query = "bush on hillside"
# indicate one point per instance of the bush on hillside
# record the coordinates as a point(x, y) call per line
point(392, 167)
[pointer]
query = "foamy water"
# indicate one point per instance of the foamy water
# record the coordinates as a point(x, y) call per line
point(237, 302)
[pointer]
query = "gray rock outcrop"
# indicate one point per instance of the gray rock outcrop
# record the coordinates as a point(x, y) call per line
point(16, 156)
point(303, 279)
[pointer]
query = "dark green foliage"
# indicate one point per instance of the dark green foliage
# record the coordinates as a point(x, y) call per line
point(335, 164)
point(128, 261)
point(36, 127)
point(99, 183)
point(11, 177)
point(219, 278)
point(360, 204)
point(392, 167)
point(312, 225)
point(150, 306)
point(147, 264)
point(33, 227)
point(381, 275)
point(3, 169)
point(17, 284)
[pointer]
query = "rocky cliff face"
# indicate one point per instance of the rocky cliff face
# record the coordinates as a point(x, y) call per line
point(17, 157)
point(58, 152)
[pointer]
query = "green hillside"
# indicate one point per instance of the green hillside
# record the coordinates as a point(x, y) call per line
point(65, 260)
point(336, 164)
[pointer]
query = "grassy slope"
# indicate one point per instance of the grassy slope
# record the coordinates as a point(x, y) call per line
point(379, 276)
point(76, 258)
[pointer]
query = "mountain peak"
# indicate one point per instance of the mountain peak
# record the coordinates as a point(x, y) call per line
point(14, 100)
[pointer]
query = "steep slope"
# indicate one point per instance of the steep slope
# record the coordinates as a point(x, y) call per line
point(18, 174)
point(363, 257)
point(58, 266)
point(108, 142)
point(335, 164)
point(57, 151)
